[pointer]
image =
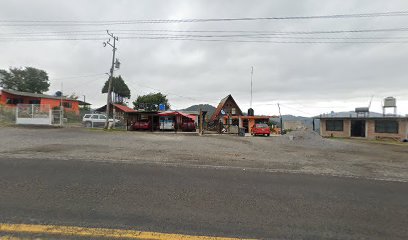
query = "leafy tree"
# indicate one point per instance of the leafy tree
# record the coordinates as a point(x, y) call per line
point(151, 99)
point(119, 89)
point(26, 79)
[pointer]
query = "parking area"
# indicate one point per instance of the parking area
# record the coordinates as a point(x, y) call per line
point(298, 152)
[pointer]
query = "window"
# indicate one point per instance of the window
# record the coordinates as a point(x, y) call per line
point(67, 104)
point(14, 101)
point(94, 117)
point(233, 111)
point(87, 116)
point(334, 125)
point(36, 101)
point(386, 126)
point(102, 117)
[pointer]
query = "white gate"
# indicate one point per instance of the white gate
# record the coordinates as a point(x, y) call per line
point(35, 114)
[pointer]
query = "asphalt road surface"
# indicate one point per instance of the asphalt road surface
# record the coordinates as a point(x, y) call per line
point(200, 201)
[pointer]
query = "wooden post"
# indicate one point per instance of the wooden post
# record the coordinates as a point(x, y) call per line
point(201, 122)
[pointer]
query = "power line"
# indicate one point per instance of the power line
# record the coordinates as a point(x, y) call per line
point(251, 36)
point(175, 38)
point(192, 20)
point(239, 36)
point(79, 76)
point(251, 32)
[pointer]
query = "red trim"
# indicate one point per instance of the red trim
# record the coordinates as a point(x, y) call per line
point(124, 108)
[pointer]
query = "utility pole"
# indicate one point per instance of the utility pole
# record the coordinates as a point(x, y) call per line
point(281, 122)
point(109, 98)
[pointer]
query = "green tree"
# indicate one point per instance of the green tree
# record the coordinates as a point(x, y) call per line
point(151, 99)
point(119, 89)
point(26, 79)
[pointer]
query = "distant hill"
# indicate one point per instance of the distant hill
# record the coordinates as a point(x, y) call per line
point(205, 107)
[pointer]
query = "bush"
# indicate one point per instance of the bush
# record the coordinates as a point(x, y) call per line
point(7, 114)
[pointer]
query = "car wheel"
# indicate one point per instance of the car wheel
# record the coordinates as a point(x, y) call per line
point(268, 135)
point(88, 124)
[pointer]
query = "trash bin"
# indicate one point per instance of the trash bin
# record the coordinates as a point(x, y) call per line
point(241, 132)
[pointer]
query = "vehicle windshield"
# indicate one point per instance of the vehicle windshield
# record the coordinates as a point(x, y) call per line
point(261, 125)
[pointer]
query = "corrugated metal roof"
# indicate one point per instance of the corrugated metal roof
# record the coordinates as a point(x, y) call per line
point(36, 95)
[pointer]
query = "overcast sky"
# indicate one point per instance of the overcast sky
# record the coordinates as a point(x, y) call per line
point(306, 78)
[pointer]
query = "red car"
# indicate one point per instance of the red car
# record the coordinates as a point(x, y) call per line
point(142, 125)
point(188, 126)
point(261, 129)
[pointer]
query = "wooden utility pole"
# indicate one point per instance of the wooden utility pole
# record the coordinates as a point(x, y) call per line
point(109, 98)
point(200, 129)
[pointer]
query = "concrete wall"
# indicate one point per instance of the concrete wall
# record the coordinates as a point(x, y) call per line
point(345, 133)
point(402, 131)
point(294, 125)
point(370, 130)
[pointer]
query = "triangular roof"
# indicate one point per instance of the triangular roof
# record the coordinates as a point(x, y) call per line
point(221, 106)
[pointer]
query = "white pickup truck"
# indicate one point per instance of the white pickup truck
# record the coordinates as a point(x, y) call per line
point(95, 120)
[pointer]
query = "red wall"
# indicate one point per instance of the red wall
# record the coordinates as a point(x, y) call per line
point(52, 102)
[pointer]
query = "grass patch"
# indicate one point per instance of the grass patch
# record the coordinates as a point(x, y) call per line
point(373, 141)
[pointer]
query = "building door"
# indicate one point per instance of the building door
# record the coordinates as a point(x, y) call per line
point(358, 128)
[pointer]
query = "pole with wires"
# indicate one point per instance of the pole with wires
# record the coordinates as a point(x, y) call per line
point(109, 98)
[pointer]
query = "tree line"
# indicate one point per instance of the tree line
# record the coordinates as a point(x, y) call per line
point(33, 80)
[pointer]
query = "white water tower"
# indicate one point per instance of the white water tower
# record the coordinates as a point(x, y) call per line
point(390, 102)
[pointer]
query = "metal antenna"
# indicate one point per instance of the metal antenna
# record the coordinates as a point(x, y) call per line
point(252, 73)
point(369, 104)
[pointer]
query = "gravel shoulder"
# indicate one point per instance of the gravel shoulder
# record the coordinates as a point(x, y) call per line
point(306, 153)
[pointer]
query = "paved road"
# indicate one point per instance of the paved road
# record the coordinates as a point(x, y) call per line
point(200, 201)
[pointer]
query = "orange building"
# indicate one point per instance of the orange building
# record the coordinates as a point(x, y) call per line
point(12, 98)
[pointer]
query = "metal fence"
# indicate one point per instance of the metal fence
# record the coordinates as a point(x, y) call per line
point(36, 114)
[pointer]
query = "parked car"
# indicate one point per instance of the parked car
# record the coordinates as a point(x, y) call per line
point(261, 129)
point(95, 120)
point(142, 125)
point(188, 126)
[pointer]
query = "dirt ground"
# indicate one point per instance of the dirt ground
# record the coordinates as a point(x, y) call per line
point(306, 153)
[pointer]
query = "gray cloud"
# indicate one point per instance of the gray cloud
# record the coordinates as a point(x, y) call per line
point(305, 77)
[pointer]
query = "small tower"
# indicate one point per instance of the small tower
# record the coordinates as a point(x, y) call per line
point(390, 102)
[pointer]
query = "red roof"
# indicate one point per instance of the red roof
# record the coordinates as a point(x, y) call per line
point(174, 113)
point(124, 108)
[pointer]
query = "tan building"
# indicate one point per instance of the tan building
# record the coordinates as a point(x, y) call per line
point(370, 126)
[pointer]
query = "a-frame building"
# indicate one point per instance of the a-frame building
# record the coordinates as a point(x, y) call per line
point(227, 106)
